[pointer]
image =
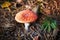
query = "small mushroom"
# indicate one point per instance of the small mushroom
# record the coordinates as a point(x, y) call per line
point(26, 16)
point(6, 5)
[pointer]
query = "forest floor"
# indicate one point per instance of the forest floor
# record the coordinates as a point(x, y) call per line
point(12, 30)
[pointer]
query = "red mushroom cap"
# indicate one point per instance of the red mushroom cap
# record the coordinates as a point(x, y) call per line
point(25, 16)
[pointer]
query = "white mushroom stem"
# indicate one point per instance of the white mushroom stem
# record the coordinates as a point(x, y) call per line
point(26, 25)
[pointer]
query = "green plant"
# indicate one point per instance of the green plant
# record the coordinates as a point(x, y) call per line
point(48, 24)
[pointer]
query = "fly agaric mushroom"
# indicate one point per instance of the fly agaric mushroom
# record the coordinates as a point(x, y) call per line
point(26, 16)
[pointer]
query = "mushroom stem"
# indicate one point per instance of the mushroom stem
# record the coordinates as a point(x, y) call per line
point(26, 25)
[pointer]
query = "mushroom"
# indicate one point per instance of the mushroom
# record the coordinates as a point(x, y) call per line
point(26, 16)
point(6, 5)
